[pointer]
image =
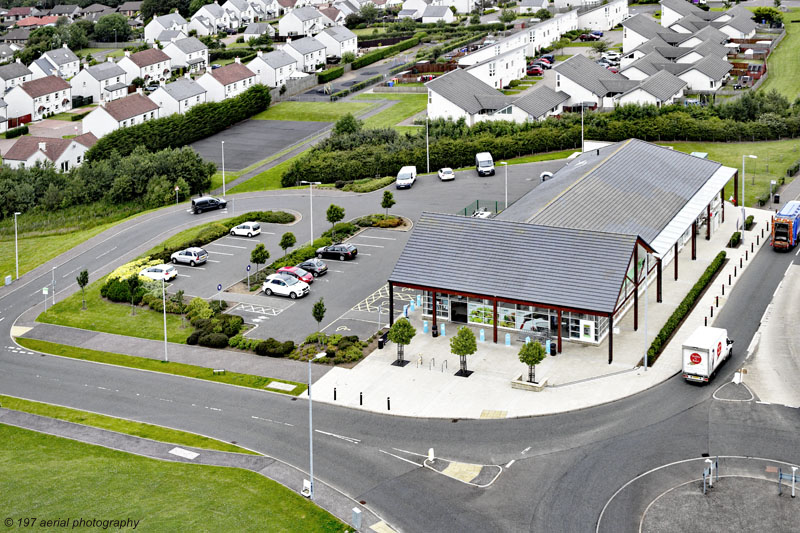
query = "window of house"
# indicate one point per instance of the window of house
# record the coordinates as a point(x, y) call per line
point(78, 160)
point(124, 123)
point(491, 69)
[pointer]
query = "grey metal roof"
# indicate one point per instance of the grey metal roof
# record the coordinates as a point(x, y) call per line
point(540, 100)
point(259, 28)
point(14, 70)
point(277, 59)
point(711, 33)
point(61, 56)
point(630, 187)
point(306, 13)
point(114, 87)
point(435, 11)
point(105, 70)
point(547, 261)
point(589, 75)
point(339, 33)
point(663, 85)
point(741, 23)
point(643, 25)
point(682, 7)
point(713, 67)
point(189, 45)
point(183, 88)
point(462, 89)
point(306, 45)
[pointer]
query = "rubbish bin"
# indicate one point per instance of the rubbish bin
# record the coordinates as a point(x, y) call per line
point(380, 343)
point(777, 199)
point(435, 332)
point(553, 348)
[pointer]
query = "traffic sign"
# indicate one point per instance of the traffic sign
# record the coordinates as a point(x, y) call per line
point(248, 268)
point(44, 290)
point(219, 287)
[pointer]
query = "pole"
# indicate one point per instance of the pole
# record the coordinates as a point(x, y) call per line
point(164, 303)
point(581, 127)
point(311, 210)
point(646, 273)
point(310, 437)
point(53, 270)
point(16, 246)
point(427, 145)
point(506, 204)
point(223, 168)
point(743, 200)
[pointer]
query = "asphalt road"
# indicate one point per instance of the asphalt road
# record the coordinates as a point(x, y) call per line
point(566, 467)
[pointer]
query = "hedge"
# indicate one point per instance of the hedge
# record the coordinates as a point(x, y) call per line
point(684, 308)
point(242, 53)
point(733, 242)
point(377, 55)
point(78, 116)
point(201, 121)
point(748, 222)
point(330, 74)
point(16, 132)
point(357, 87)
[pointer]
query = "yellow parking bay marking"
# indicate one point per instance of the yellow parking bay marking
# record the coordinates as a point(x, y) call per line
point(382, 527)
point(462, 471)
point(488, 413)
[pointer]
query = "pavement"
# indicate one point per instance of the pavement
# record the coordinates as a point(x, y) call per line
point(326, 497)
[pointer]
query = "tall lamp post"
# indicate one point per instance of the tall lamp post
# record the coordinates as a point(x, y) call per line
point(311, 203)
point(223, 169)
point(16, 247)
point(744, 203)
point(583, 106)
point(505, 164)
point(311, 431)
point(164, 304)
point(427, 146)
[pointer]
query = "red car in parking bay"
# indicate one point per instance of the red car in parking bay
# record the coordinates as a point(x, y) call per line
point(298, 273)
point(535, 71)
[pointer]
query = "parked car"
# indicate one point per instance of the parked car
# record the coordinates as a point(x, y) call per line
point(546, 60)
point(338, 251)
point(159, 272)
point(446, 174)
point(248, 229)
point(299, 273)
point(284, 285)
point(544, 65)
point(190, 256)
point(589, 37)
point(406, 177)
point(611, 55)
point(598, 33)
point(615, 70)
point(548, 57)
point(317, 267)
point(604, 62)
point(207, 203)
point(484, 164)
point(535, 70)
point(215, 66)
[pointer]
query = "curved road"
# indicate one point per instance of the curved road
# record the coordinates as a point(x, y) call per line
point(566, 467)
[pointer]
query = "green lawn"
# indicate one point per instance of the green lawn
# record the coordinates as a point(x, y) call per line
point(784, 63)
point(778, 155)
point(67, 117)
point(121, 425)
point(269, 179)
point(110, 317)
point(155, 365)
point(368, 32)
point(578, 43)
point(49, 477)
point(312, 111)
point(408, 105)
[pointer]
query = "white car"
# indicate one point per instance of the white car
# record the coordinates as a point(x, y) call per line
point(612, 56)
point(284, 285)
point(159, 272)
point(247, 229)
point(446, 174)
point(483, 212)
point(406, 177)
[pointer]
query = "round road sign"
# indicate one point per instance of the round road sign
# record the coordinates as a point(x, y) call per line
point(219, 287)
point(695, 358)
point(248, 268)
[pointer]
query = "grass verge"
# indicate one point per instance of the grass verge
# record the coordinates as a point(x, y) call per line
point(154, 365)
point(60, 477)
point(264, 181)
point(784, 63)
point(312, 111)
point(120, 425)
point(407, 106)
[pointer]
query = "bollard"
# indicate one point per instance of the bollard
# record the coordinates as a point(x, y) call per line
point(424, 326)
point(723, 289)
point(419, 300)
point(508, 339)
point(705, 321)
point(360, 398)
point(712, 311)
point(751, 246)
point(482, 336)
point(734, 271)
point(527, 340)
point(794, 477)
point(411, 307)
point(757, 239)
point(740, 262)
point(442, 330)
point(717, 301)
point(388, 404)
point(745, 255)
point(762, 233)
point(729, 279)
point(334, 394)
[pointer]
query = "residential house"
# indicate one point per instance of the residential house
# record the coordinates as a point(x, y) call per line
point(275, 68)
point(130, 9)
point(433, 14)
point(189, 53)
point(674, 10)
point(639, 29)
point(38, 98)
point(172, 21)
point(739, 27)
point(285, 6)
point(338, 41)
point(62, 62)
point(210, 19)
point(95, 11)
point(414, 8)
point(348, 7)
point(63, 154)
point(3, 116)
point(306, 21)
point(660, 89)
point(150, 65)
point(18, 36)
point(228, 81)
point(604, 16)
point(37, 22)
point(240, 10)
point(257, 29)
point(308, 52)
point(12, 75)
point(529, 7)
point(129, 111)
point(707, 75)
point(66, 10)
point(500, 70)
point(332, 16)
point(170, 35)
point(7, 52)
point(589, 84)
point(103, 82)
point(178, 96)
point(18, 13)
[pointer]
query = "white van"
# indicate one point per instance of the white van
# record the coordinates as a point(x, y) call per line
point(406, 177)
point(484, 164)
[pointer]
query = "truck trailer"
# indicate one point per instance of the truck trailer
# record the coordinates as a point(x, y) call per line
point(703, 353)
point(785, 226)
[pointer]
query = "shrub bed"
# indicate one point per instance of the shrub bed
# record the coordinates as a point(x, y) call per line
point(684, 308)
point(338, 349)
point(330, 74)
point(368, 59)
point(735, 239)
point(378, 221)
point(368, 184)
point(16, 132)
point(748, 222)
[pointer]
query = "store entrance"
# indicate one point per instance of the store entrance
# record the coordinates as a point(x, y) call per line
point(458, 312)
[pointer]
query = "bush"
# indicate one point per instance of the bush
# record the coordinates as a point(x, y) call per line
point(733, 242)
point(198, 309)
point(342, 230)
point(301, 254)
point(372, 57)
point(78, 116)
point(330, 74)
point(274, 348)
point(16, 132)
point(748, 222)
point(116, 290)
point(193, 338)
point(213, 340)
point(378, 221)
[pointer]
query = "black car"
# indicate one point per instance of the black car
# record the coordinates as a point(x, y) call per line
point(338, 251)
point(207, 203)
point(317, 267)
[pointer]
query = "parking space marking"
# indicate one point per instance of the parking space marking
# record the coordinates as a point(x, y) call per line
point(183, 276)
point(382, 238)
point(375, 301)
point(191, 267)
point(271, 311)
point(233, 238)
point(367, 245)
point(214, 261)
point(218, 253)
point(228, 245)
point(369, 255)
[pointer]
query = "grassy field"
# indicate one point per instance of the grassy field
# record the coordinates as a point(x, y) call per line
point(367, 32)
point(784, 63)
point(51, 477)
point(267, 180)
point(407, 106)
point(775, 155)
point(110, 317)
point(312, 111)
point(120, 425)
point(154, 365)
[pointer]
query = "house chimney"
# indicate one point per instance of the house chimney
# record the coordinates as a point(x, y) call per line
point(65, 46)
point(155, 45)
point(139, 90)
point(259, 53)
point(127, 53)
point(19, 60)
point(43, 146)
point(237, 59)
point(109, 58)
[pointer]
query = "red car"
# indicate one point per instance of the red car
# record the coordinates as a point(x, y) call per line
point(535, 71)
point(298, 273)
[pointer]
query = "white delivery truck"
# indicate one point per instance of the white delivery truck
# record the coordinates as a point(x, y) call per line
point(704, 351)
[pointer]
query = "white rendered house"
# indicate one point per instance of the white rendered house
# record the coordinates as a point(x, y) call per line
point(129, 111)
point(226, 82)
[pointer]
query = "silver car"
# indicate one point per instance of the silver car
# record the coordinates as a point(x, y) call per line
point(190, 256)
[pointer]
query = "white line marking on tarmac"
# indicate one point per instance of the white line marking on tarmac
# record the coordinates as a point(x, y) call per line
point(106, 252)
point(273, 421)
point(511, 462)
point(526, 449)
point(365, 254)
point(351, 440)
point(184, 276)
point(2, 318)
point(382, 238)
point(412, 453)
point(401, 458)
point(339, 271)
point(70, 272)
point(228, 245)
point(218, 253)
point(191, 267)
point(367, 245)
point(763, 403)
point(797, 253)
point(213, 261)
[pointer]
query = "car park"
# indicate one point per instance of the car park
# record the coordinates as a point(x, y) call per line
point(159, 272)
point(406, 177)
point(317, 267)
point(207, 203)
point(338, 251)
point(190, 256)
point(246, 229)
point(446, 174)
point(484, 164)
point(284, 285)
point(297, 272)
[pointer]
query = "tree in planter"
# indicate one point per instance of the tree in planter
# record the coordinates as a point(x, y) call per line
point(401, 334)
point(334, 215)
point(462, 345)
point(318, 312)
point(83, 281)
point(561, 44)
point(133, 284)
point(259, 256)
point(531, 354)
point(287, 241)
point(387, 201)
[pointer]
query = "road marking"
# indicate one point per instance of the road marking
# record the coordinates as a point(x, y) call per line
point(763, 403)
point(412, 453)
point(382, 238)
point(351, 440)
point(218, 253)
point(797, 253)
point(191, 267)
point(273, 421)
point(227, 245)
point(70, 272)
point(339, 271)
point(2, 318)
point(401, 458)
point(184, 276)
point(368, 245)
point(163, 399)
point(511, 462)
point(214, 261)
point(186, 454)
point(107, 252)
point(526, 449)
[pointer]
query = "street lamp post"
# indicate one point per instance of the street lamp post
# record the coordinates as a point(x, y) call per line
point(164, 304)
point(750, 156)
point(53, 271)
point(16, 246)
point(311, 430)
point(223, 169)
point(427, 146)
point(646, 273)
point(505, 164)
point(311, 204)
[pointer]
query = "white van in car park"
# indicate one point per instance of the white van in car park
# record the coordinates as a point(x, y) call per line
point(484, 164)
point(406, 177)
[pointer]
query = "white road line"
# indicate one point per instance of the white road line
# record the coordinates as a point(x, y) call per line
point(214, 261)
point(367, 245)
point(191, 267)
point(183, 276)
point(273, 421)
point(218, 253)
point(106, 252)
point(412, 453)
point(511, 462)
point(365, 254)
point(797, 253)
point(2, 318)
point(70, 272)
point(227, 245)
point(351, 440)
point(382, 238)
point(339, 271)
point(401, 458)
point(526, 449)
point(763, 403)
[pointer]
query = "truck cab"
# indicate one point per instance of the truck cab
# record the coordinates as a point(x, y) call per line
point(785, 227)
